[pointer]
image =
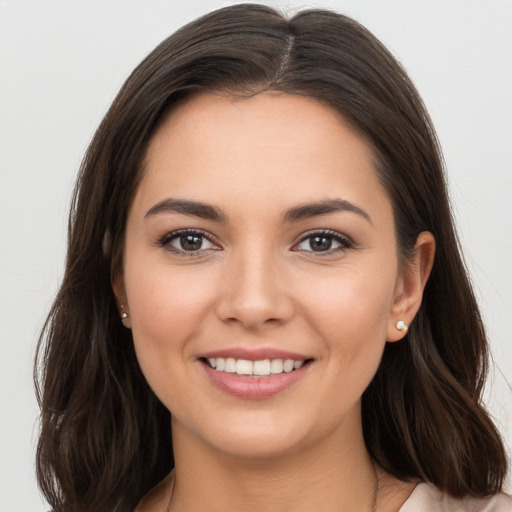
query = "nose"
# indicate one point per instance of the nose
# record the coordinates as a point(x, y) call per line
point(254, 292)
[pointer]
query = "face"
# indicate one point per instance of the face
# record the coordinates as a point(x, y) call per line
point(260, 272)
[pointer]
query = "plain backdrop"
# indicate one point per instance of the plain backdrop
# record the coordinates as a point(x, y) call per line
point(62, 62)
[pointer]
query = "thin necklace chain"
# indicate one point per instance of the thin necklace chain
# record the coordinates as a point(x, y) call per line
point(375, 488)
point(168, 508)
point(374, 497)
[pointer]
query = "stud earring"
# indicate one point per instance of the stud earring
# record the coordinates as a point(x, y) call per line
point(124, 315)
point(400, 325)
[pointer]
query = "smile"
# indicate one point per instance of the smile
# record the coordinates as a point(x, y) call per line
point(256, 378)
point(261, 368)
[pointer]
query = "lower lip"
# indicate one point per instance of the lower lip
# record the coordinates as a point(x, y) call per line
point(254, 388)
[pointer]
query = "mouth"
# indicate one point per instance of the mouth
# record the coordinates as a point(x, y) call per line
point(255, 379)
point(255, 373)
point(259, 368)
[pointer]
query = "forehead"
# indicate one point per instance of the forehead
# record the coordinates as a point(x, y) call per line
point(270, 119)
point(275, 146)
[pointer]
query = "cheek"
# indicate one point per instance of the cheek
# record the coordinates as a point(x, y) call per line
point(166, 309)
point(351, 311)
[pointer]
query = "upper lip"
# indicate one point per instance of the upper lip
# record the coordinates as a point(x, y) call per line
point(254, 354)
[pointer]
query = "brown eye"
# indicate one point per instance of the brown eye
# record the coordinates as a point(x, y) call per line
point(323, 242)
point(187, 242)
point(190, 242)
point(320, 243)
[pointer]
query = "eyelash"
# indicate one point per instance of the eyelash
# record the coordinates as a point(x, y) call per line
point(345, 243)
point(166, 240)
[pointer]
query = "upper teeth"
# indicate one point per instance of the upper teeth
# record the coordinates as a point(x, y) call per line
point(246, 367)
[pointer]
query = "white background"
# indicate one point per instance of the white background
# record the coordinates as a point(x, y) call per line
point(62, 62)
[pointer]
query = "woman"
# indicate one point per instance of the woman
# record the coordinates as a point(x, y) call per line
point(262, 263)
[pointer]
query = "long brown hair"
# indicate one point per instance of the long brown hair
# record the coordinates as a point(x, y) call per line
point(105, 439)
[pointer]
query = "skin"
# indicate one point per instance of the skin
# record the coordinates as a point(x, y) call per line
point(259, 283)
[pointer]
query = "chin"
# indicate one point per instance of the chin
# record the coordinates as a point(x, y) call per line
point(252, 436)
point(256, 445)
point(261, 436)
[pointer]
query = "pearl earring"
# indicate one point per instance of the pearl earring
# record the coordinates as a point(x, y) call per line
point(124, 315)
point(400, 325)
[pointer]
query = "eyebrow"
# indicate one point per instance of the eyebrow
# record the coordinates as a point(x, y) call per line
point(209, 212)
point(186, 207)
point(323, 208)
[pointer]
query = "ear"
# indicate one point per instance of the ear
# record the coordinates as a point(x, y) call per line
point(410, 285)
point(121, 299)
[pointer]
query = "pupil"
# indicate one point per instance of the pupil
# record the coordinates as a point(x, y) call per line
point(191, 242)
point(321, 243)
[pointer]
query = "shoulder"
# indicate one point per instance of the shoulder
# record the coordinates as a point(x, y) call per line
point(427, 497)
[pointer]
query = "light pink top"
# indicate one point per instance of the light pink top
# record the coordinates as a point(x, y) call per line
point(427, 498)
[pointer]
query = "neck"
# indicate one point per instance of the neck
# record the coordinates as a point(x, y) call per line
point(337, 474)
